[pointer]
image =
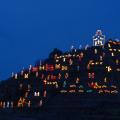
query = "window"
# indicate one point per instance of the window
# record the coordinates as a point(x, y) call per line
point(57, 66)
point(26, 76)
point(29, 103)
point(21, 85)
point(77, 80)
point(91, 75)
point(36, 94)
point(64, 68)
point(22, 72)
point(45, 93)
point(41, 67)
point(29, 87)
point(53, 78)
point(109, 69)
point(16, 76)
point(101, 58)
point(37, 74)
point(112, 54)
point(64, 59)
point(66, 75)
point(70, 61)
point(49, 67)
point(117, 61)
point(95, 51)
point(59, 76)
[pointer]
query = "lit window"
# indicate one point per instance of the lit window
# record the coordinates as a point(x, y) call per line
point(53, 78)
point(117, 61)
point(66, 75)
point(59, 76)
point(26, 76)
point(8, 104)
point(45, 93)
point(72, 86)
point(81, 91)
point(41, 67)
point(64, 68)
point(3, 104)
point(101, 58)
point(64, 59)
point(29, 87)
point(114, 92)
point(112, 54)
point(21, 85)
point(55, 56)
point(109, 45)
point(29, 103)
point(118, 69)
point(74, 55)
point(81, 54)
point(37, 74)
point(22, 72)
point(21, 102)
point(57, 60)
point(110, 49)
point(26, 94)
point(11, 104)
point(91, 75)
point(57, 66)
point(72, 91)
point(41, 103)
point(34, 69)
point(108, 68)
point(36, 94)
point(12, 74)
point(64, 84)
point(105, 79)
point(77, 80)
point(48, 77)
point(49, 67)
point(63, 91)
point(95, 51)
point(16, 76)
point(70, 61)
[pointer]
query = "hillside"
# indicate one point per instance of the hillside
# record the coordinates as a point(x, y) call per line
point(94, 70)
point(68, 84)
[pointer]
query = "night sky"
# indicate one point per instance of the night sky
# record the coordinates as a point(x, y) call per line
point(30, 29)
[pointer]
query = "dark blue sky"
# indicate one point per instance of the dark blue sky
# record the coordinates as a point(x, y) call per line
point(30, 29)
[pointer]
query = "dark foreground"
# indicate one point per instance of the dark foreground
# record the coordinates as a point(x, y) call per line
point(70, 107)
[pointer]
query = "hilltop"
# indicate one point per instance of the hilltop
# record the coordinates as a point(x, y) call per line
point(68, 82)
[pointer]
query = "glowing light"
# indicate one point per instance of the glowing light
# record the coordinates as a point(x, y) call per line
point(36, 94)
point(109, 69)
point(26, 76)
point(64, 68)
point(21, 102)
point(16, 76)
point(98, 38)
point(57, 66)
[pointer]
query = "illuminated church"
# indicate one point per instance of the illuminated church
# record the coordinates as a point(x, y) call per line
point(98, 39)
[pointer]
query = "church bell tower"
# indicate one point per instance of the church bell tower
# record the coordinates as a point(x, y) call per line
point(98, 38)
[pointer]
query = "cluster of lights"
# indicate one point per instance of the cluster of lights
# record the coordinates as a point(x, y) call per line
point(58, 74)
